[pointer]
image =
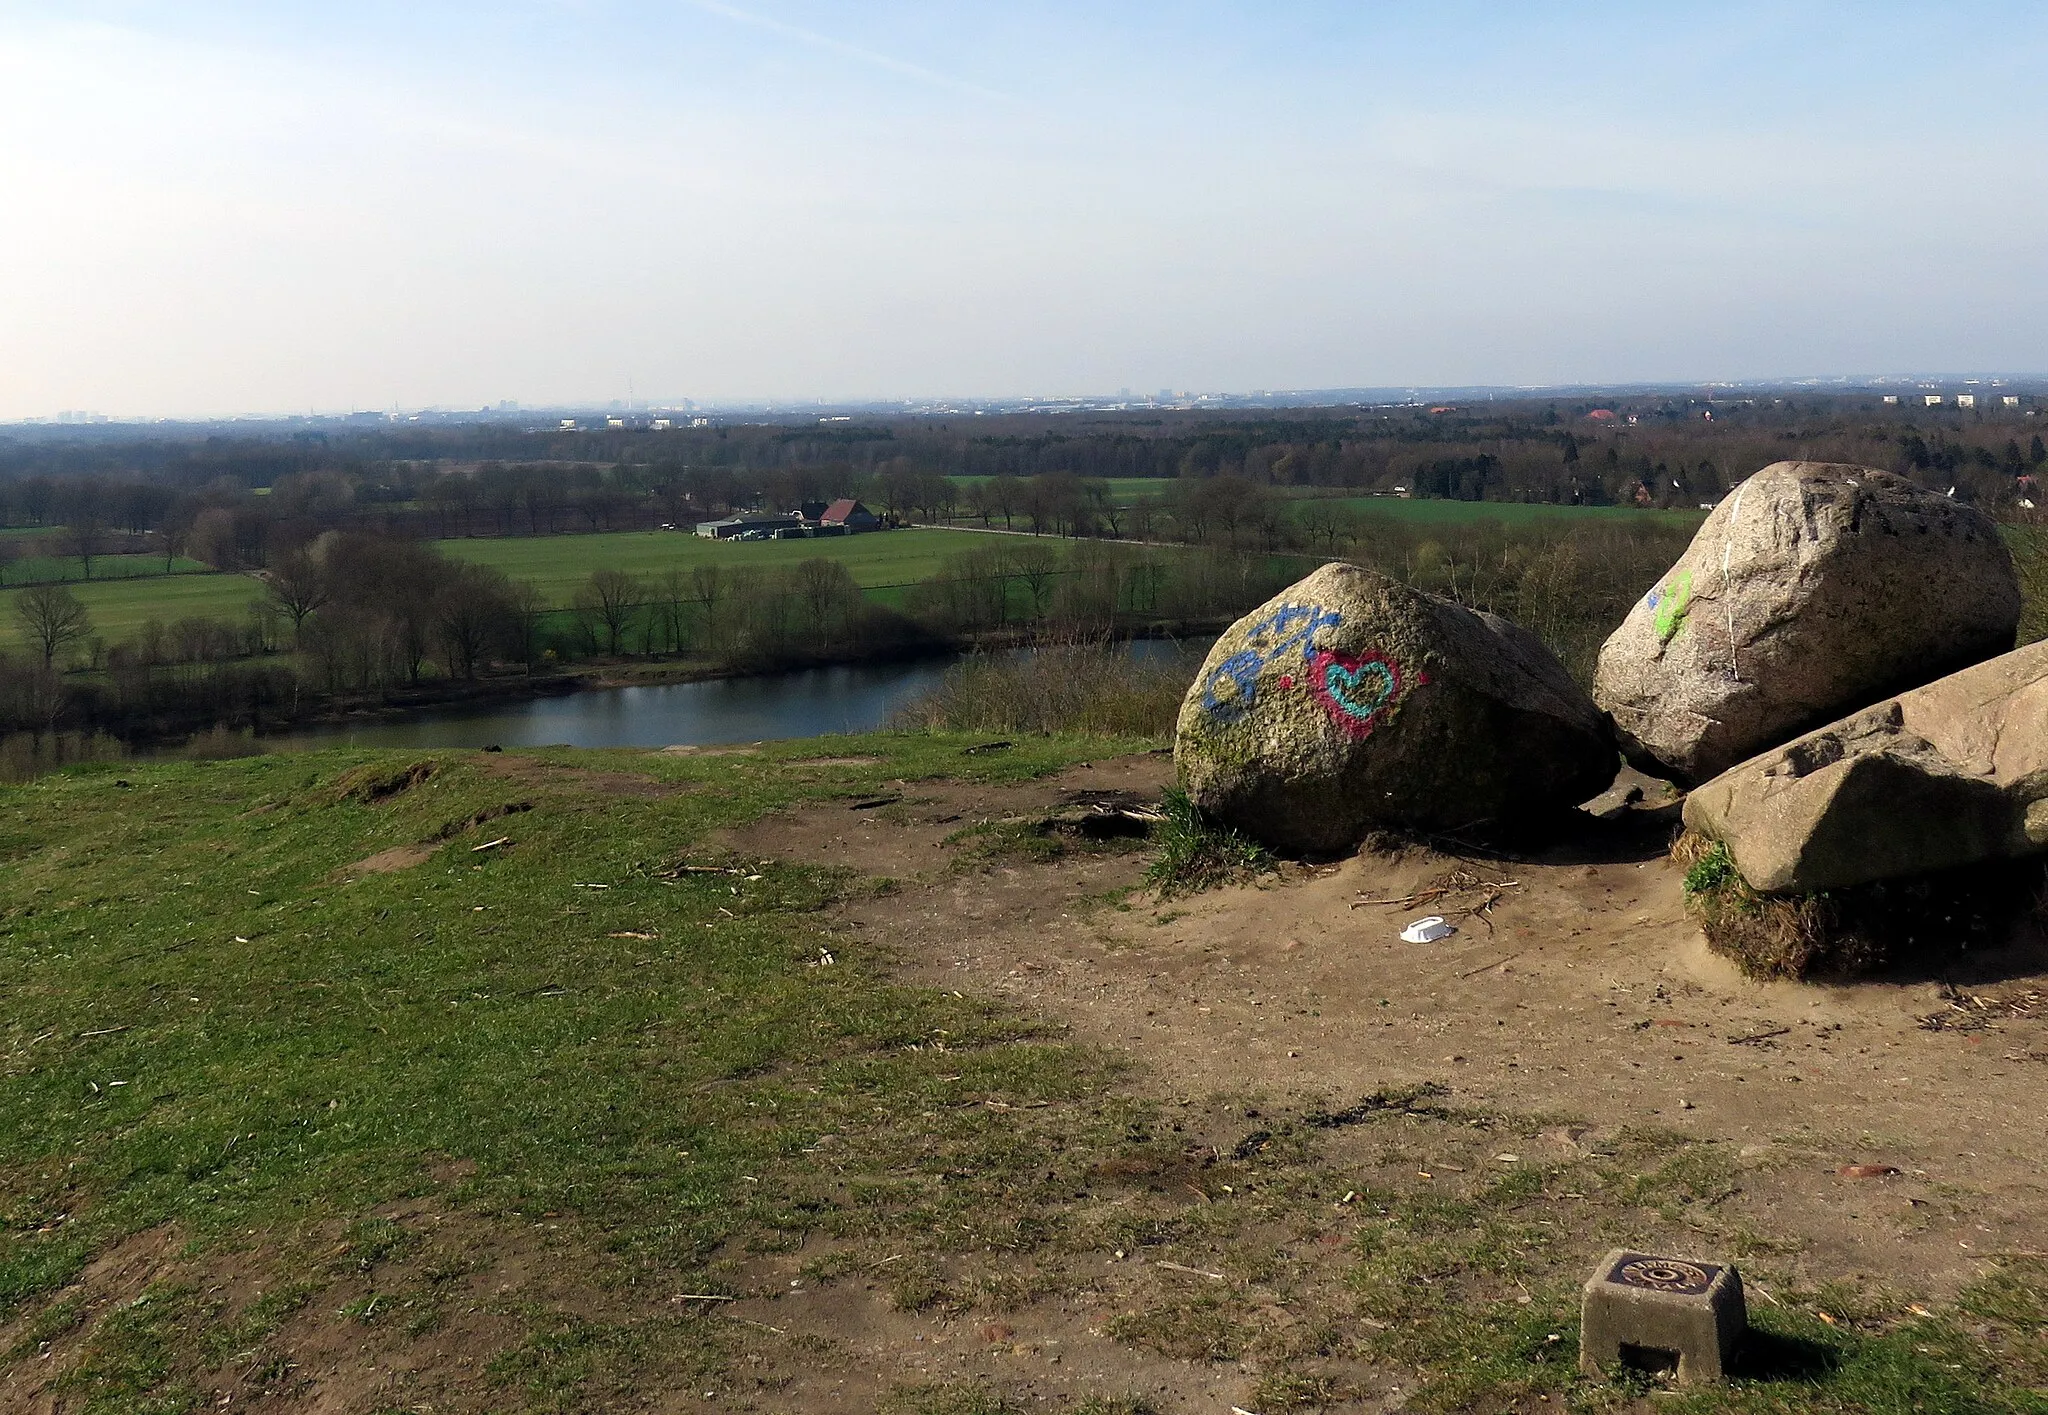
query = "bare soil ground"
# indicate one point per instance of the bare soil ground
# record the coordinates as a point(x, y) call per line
point(1583, 998)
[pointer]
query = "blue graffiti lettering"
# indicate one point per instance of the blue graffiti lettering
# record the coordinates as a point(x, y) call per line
point(1242, 669)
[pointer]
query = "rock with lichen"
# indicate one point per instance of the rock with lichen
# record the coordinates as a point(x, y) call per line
point(1351, 703)
point(1814, 588)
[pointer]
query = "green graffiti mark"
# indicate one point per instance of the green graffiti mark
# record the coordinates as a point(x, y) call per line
point(1671, 603)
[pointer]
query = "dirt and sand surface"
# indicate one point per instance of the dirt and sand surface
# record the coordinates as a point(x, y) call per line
point(1579, 993)
point(1575, 998)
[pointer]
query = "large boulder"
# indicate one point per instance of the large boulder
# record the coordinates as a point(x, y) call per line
point(1351, 702)
point(1950, 774)
point(1814, 589)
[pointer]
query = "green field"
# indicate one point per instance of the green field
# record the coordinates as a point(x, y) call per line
point(558, 564)
point(41, 569)
point(1125, 490)
point(1514, 513)
point(119, 607)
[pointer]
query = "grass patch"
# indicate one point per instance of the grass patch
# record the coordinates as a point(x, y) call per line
point(1423, 511)
point(120, 607)
point(1195, 853)
point(558, 564)
point(1920, 921)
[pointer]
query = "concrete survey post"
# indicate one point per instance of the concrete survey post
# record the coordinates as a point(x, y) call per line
point(1643, 1310)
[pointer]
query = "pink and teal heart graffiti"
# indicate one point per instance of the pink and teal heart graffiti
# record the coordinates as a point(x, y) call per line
point(1355, 692)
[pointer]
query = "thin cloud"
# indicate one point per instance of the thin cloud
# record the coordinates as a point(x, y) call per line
point(840, 46)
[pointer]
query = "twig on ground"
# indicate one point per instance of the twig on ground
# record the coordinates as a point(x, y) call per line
point(1184, 1268)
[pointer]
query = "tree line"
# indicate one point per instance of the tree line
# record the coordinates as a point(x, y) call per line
point(231, 500)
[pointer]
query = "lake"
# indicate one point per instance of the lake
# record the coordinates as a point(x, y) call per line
point(813, 703)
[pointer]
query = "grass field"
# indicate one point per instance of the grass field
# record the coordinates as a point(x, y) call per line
point(1513, 513)
point(559, 564)
point(40, 569)
point(304, 1081)
point(119, 607)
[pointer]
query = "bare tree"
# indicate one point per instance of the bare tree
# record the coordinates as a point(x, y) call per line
point(1035, 565)
point(710, 588)
point(671, 593)
point(52, 619)
point(300, 586)
point(1100, 506)
point(827, 590)
point(469, 616)
point(176, 534)
point(85, 527)
point(1005, 495)
point(525, 608)
point(610, 597)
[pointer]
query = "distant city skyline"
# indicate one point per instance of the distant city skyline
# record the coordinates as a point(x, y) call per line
point(227, 208)
point(1928, 389)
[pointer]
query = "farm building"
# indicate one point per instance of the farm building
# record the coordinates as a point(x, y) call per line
point(733, 526)
point(851, 514)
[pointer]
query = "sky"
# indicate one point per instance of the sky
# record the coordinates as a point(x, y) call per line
point(212, 208)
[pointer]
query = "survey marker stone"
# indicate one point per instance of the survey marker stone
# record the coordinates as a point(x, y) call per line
point(1662, 1313)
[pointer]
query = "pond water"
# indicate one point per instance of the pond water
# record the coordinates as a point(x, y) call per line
point(812, 703)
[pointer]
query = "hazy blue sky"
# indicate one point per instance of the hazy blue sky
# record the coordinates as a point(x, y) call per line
point(220, 207)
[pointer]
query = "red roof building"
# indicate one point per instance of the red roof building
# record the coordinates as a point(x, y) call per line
point(851, 514)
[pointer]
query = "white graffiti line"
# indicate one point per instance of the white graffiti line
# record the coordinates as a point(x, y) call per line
point(1727, 596)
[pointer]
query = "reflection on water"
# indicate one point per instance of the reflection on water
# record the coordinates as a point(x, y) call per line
point(812, 703)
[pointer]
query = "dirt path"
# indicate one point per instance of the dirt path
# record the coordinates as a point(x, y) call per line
point(1590, 996)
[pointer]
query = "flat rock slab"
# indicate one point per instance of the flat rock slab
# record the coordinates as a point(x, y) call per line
point(1951, 774)
point(1642, 1310)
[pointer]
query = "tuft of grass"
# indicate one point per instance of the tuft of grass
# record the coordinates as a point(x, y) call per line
point(1860, 930)
point(949, 1398)
point(1713, 870)
point(1765, 935)
point(1195, 853)
point(1116, 1405)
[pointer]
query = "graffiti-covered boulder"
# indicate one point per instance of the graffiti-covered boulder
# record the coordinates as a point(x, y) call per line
point(1351, 703)
point(1951, 774)
point(1814, 589)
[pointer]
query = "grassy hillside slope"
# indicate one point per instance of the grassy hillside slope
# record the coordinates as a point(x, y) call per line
point(295, 1050)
